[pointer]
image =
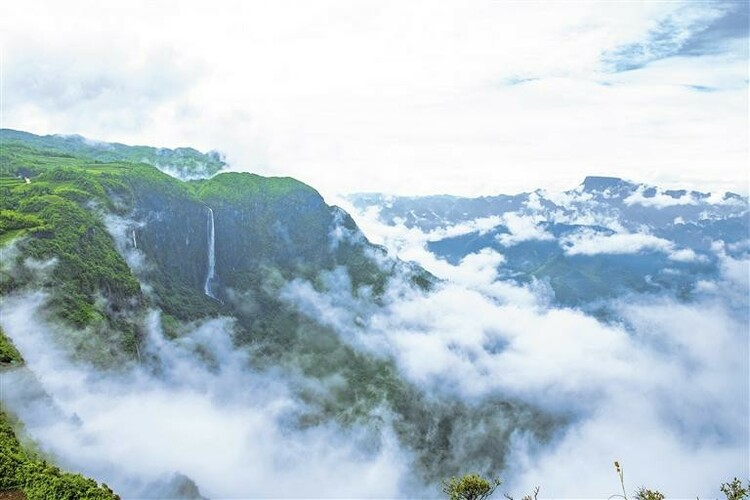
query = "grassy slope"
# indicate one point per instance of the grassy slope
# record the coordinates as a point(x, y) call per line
point(64, 202)
point(9, 355)
point(55, 211)
point(21, 470)
point(185, 161)
point(39, 480)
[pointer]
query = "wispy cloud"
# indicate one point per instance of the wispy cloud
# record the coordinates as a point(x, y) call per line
point(674, 33)
point(397, 97)
point(594, 243)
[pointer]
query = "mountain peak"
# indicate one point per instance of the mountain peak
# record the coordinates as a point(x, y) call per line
point(601, 183)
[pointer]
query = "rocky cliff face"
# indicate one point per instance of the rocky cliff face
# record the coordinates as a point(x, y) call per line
point(260, 225)
point(172, 234)
point(267, 222)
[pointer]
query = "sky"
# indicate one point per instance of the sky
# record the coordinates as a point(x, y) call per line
point(403, 97)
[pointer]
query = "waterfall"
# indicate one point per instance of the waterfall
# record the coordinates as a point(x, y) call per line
point(211, 256)
point(135, 245)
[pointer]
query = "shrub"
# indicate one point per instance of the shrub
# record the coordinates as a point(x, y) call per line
point(733, 490)
point(469, 487)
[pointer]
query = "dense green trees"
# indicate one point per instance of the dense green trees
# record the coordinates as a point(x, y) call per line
point(39, 480)
point(9, 355)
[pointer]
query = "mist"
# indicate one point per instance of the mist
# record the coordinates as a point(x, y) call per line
point(664, 391)
point(660, 385)
point(195, 408)
point(663, 388)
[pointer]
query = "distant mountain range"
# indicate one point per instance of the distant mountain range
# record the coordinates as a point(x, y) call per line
point(605, 238)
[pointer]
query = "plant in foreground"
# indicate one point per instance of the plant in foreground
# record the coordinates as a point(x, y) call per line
point(622, 481)
point(475, 487)
point(469, 487)
point(533, 496)
point(646, 494)
point(734, 490)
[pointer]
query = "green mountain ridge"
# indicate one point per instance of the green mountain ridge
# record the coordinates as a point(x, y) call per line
point(184, 163)
point(107, 242)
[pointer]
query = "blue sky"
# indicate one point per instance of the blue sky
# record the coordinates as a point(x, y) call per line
point(711, 28)
point(402, 97)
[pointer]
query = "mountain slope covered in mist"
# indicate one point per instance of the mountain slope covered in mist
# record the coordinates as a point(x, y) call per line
point(236, 336)
point(121, 281)
point(663, 275)
point(21, 470)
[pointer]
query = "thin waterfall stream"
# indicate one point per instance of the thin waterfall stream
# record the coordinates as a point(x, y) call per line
point(211, 256)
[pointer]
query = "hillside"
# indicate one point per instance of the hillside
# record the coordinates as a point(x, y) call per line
point(25, 472)
point(236, 336)
point(100, 245)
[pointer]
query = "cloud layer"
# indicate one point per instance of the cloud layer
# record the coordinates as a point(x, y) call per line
point(195, 408)
point(660, 383)
point(418, 98)
point(663, 389)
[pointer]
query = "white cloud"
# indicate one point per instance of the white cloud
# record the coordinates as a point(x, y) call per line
point(659, 199)
point(591, 243)
point(686, 255)
point(636, 392)
point(522, 228)
point(735, 271)
point(387, 96)
point(587, 242)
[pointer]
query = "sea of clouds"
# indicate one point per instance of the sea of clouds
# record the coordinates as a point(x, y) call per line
point(663, 388)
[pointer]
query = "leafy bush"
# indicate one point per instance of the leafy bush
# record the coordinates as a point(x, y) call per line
point(8, 352)
point(734, 490)
point(10, 220)
point(646, 494)
point(469, 487)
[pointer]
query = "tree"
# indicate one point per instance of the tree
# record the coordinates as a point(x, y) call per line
point(469, 487)
point(646, 494)
point(734, 490)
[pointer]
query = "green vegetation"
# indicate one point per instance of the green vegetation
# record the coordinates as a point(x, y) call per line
point(734, 490)
point(646, 494)
point(58, 214)
point(10, 220)
point(235, 187)
point(184, 162)
point(38, 480)
point(9, 355)
point(475, 487)
point(469, 487)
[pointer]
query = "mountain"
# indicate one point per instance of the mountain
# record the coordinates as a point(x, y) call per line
point(608, 237)
point(609, 198)
point(105, 249)
point(233, 335)
point(183, 163)
point(22, 470)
